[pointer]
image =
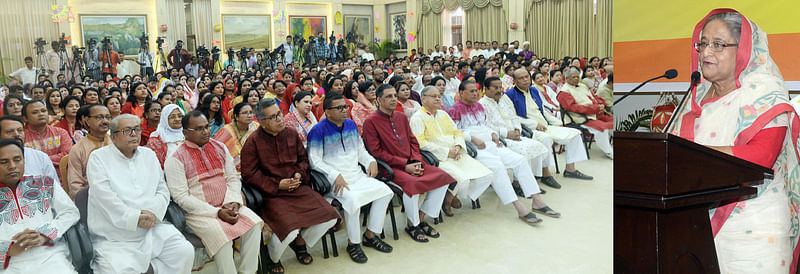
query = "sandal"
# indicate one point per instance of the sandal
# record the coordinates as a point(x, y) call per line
point(272, 267)
point(428, 230)
point(377, 244)
point(301, 253)
point(415, 232)
point(356, 253)
point(546, 211)
point(530, 219)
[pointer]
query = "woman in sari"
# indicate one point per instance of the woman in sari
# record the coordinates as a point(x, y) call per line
point(234, 135)
point(742, 108)
point(549, 98)
point(300, 116)
point(365, 104)
point(169, 135)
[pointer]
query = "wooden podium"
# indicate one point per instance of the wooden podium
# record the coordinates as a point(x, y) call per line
point(664, 186)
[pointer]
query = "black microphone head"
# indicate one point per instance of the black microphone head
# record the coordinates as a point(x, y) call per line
point(695, 77)
point(672, 73)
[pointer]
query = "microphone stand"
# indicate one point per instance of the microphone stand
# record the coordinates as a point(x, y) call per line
point(679, 108)
point(637, 87)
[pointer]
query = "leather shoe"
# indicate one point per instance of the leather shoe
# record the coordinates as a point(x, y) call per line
point(577, 175)
point(551, 182)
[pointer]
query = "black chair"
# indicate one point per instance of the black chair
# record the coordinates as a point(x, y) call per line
point(319, 182)
point(77, 237)
point(527, 132)
point(587, 136)
point(429, 158)
point(472, 151)
point(254, 200)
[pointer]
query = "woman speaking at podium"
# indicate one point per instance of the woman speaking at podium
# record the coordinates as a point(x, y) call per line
point(741, 107)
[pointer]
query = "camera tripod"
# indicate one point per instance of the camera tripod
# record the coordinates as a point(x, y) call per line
point(163, 59)
point(41, 62)
point(78, 65)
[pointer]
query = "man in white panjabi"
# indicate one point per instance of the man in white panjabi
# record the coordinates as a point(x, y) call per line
point(507, 125)
point(526, 104)
point(36, 214)
point(470, 118)
point(202, 178)
point(128, 198)
point(587, 109)
point(336, 149)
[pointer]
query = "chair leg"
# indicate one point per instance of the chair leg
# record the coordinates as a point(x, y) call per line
point(555, 159)
point(473, 205)
point(325, 246)
point(263, 259)
point(441, 219)
point(478, 201)
point(334, 250)
point(394, 223)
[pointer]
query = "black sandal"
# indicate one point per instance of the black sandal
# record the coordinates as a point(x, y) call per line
point(428, 230)
point(356, 253)
point(272, 266)
point(415, 232)
point(377, 244)
point(301, 252)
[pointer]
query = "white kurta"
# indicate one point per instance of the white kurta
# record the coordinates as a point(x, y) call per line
point(119, 189)
point(38, 163)
point(494, 120)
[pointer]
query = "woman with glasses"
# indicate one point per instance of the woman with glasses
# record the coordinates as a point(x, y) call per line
point(150, 121)
point(169, 135)
point(746, 113)
point(212, 109)
point(365, 104)
point(234, 135)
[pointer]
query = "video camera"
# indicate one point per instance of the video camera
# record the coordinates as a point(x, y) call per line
point(243, 53)
point(299, 40)
point(143, 40)
point(106, 42)
point(159, 42)
point(202, 52)
point(39, 45)
point(91, 43)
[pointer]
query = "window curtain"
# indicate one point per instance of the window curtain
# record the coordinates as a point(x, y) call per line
point(175, 17)
point(429, 24)
point(604, 42)
point(203, 26)
point(20, 24)
point(486, 24)
point(484, 20)
point(560, 28)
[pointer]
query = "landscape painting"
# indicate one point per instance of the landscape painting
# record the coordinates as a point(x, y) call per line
point(246, 31)
point(360, 27)
point(124, 31)
point(307, 26)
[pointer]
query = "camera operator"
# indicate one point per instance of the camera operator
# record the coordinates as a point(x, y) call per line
point(192, 68)
point(109, 58)
point(92, 61)
point(321, 47)
point(261, 62)
point(179, 56)
point(231, 62)
point(53, 61)
point(217, 66)
point(145, 60)
point(288, 49)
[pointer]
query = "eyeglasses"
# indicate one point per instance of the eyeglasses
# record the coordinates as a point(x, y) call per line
point(208, 127)
point(101, 117)
point(716, 46)
point(129, 131)
point(175, 117)
point(340, 108)
point(155, 111)
point(275, 117)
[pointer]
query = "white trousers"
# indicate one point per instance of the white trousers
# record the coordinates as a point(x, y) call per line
point(377, 214)
point(310, 234)
point(431, 205)
point(602, 139)
point(164, 247)
point(499, 159)
point(251, 243)
point(575, 151)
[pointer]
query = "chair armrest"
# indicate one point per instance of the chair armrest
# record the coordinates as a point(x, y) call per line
point(80, 247)
point(429, 158)
point(390, 173)
point(472, 149)
point(255, 199)
point(527, 132)
point(319, 182)
point(176, 216)
point(503, 140)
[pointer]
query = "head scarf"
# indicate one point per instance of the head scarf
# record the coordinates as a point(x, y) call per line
point(165, 132)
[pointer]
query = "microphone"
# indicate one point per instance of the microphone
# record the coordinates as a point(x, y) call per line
point(695, 80)
point(669, 74)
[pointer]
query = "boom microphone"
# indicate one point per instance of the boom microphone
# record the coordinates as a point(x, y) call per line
point(669, 74)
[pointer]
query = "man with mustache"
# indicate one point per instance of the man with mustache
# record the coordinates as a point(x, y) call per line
point(97, 124)
point(36, 162)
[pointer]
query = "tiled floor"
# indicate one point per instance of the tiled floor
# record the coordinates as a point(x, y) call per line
point(492, 240)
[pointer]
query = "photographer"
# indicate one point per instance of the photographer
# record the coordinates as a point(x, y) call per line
point(231, 62)
point(92, 60)
point(192, 68)
point(321, 47)
point(109, 58)
point(288, 49)
point(53, 61)
point(261, 63)
point(146, 62)
point(179, 56)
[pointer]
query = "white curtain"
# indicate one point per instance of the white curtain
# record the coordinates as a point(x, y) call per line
point(203, 24)
point(20, 24)
point(175, 18)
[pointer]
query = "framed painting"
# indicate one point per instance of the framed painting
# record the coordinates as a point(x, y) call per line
point(307, 26)
point(123, 31)
point(246, 31)
point(360, 27)
point(397, 24)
